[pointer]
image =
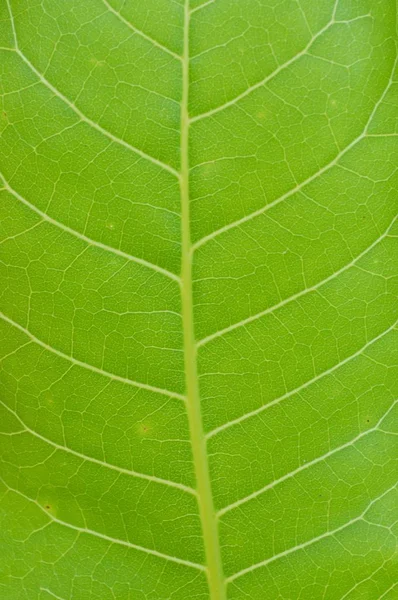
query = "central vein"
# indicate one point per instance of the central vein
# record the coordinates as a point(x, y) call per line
point(205, 498)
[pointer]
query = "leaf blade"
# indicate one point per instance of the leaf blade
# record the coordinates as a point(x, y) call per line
point(197, 244)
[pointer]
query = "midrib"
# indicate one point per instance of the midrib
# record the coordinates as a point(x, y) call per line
point(205, 499)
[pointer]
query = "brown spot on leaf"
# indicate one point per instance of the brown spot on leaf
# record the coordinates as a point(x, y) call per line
point(144, 428)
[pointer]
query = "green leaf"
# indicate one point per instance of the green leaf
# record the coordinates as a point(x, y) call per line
point(199, 359)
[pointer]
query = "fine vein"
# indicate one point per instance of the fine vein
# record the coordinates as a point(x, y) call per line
point(139, 32)
point(103, 536)
point(314, 540)
point(205, 499)
point(78, 112)
point(85, 457)
point(79, 363)
point(364, 134)
point(298, 295)
point(85, 238)
point(306, 465)
point(301, 387)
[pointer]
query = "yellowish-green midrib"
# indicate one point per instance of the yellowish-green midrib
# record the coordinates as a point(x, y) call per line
point(205, 499)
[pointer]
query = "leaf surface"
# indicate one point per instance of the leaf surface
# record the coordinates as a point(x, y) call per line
point(199, 353)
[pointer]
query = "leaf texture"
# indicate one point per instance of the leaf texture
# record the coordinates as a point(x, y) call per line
point(198, 299)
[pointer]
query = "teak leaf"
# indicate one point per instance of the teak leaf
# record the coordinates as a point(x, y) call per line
point(198, 299)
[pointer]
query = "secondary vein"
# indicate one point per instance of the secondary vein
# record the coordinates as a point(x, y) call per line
point(103, 536)
point(79, 363)
point(78, 112)
point(85, 238)
point(101, 463)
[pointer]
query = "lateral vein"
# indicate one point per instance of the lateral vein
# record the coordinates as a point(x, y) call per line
point(303, 292)
point(87, 240)
point(107, 538)
point(307, 465)
point(264, 407)
point(75, 361)
point(79, 113)
point(85, 457)
point(266, 79)
point(304, 183)
point(140, 32)
point(323, 536)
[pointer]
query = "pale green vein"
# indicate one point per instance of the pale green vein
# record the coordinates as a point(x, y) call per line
point(357, 87)
point(392, 587)
point(194, 10)
point(107, 538)
point(79, 113)
point(304, 183)
point(51, 593)
point(264, 407)
point(141, 33)
point(270, 76)
point(85, 457)
point(359, 583)
point(307, 465)
point(319, 538)
point(303, 292)
point(88, 240)
point(75, 361)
